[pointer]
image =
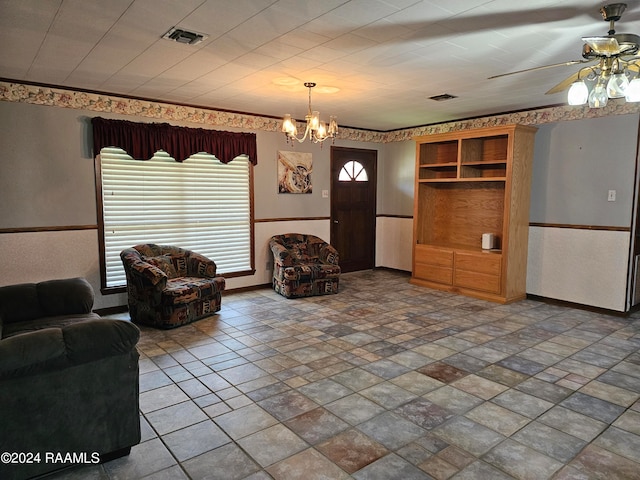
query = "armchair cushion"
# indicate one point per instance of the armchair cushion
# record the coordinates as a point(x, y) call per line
point(164, 263)
point(188, 289)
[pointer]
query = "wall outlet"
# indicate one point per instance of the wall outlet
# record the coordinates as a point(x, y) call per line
point(611, 197)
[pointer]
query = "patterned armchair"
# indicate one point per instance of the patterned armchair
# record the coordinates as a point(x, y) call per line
point(304, 265)
point(170, 286)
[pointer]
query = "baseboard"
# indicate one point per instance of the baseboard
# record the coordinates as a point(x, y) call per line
point(394, 270)
point(111, 310)
point(579, 306)
point(246, 289)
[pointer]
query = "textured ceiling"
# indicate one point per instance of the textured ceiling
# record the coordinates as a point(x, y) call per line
point(385, 58)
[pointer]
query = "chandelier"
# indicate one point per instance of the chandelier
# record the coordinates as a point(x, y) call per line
point(316, 131)
point(611, 78)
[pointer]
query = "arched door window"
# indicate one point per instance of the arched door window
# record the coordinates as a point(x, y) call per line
point(353, 171)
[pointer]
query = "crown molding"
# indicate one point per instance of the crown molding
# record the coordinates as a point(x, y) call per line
point(104, 103)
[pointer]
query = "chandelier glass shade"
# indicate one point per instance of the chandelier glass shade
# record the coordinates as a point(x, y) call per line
point(611, 78)
point(316, 130)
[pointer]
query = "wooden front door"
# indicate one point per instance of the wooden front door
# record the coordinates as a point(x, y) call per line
point(353, 206)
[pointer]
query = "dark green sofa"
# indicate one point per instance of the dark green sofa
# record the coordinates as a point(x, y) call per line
point(68, 379)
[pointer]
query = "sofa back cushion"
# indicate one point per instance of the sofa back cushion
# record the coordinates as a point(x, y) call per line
point(19, 303)
point(28, 301)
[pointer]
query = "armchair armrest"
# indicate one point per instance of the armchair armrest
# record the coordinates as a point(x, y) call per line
point(201, 266)
point(149, 273)
point(144, 271)
point(328, 254)
point(281, 256)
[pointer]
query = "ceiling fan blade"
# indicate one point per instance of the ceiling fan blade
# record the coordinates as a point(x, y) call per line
point(564, 84)
point(563, 64)
point(633, 65)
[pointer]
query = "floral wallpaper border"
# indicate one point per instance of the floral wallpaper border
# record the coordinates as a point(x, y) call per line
point(59, 97)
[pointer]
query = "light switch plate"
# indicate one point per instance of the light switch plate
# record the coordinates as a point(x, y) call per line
point(611, 197)
point(325, 193)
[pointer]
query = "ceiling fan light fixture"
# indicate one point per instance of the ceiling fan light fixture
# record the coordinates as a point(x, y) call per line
point(578, 93)
point(617, 85)
point(598, 96)
point(632, 94)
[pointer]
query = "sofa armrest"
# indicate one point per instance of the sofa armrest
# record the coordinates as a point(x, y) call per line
point(68, 296)
point(88, 341)
point(29, 353)
point(328, 254)
point(200, 266)
point(54, 348)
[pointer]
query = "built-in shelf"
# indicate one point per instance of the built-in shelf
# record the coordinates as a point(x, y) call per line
point(461, 182)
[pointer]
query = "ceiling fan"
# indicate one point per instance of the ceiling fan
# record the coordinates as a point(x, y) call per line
point(614, 69)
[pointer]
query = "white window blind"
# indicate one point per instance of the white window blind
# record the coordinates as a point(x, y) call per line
point(200, 204)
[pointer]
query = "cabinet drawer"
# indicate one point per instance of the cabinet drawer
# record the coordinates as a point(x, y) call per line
point(434, 273)
point(434, 256)
point(477, 281)
point(489, 263)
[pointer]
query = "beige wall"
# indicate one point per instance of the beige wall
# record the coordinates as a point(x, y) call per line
point(47, 182)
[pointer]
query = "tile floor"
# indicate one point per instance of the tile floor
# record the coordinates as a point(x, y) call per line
point(387, 381)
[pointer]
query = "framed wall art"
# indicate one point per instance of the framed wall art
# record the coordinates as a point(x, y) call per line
point(294, 172)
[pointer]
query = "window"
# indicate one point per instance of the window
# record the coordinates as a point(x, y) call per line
point(200, 204)
point(353, 171)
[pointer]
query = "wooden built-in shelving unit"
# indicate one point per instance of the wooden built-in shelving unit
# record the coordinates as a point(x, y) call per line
point(469, 183)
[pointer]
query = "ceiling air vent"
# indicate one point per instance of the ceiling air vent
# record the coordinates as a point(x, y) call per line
point(183, 36)
point(443, 97)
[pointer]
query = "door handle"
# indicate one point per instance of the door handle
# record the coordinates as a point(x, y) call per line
point(335, 221)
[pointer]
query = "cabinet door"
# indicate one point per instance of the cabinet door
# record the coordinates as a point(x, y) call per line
point(434, 264)
point(478, 271)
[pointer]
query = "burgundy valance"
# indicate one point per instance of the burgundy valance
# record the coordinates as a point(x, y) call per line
point(142, 140)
